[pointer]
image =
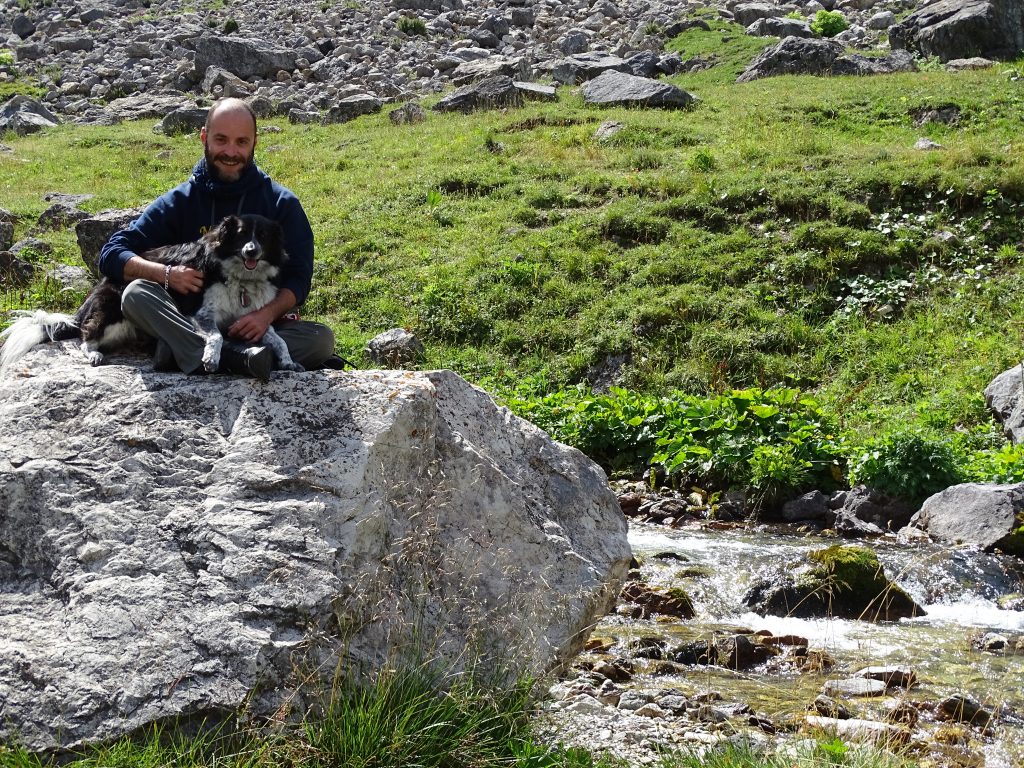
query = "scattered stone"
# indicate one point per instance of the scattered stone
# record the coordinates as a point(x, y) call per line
point(780, 27)
point(60, 215)
point(14, 271)
point(184, 120)
point(811, 506)
point(861, 731)
point(615, 88)
point(800, 56)
point(243, 57)
point(493, 93)
point(892, 675)
point(352, 107)
point(395, 348)
point(407, 114)
point(6, 234)
point(987, 516)
point(536, 91)
point(516, 68)
point(826, 706)
point(23, 116)
point(608, 129)
point(963, 709)
point(974, 62)
point(854, 687)
point(92, 233)
point(581, 67)
point(840, 581)
point(927, 145)
point(70, 278)
point(673, 603)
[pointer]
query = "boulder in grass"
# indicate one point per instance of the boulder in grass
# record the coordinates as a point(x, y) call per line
point(492, 93)
point(352, 107)
point(181, 547)
point(620, 89)
point(92, 233)
point(960, 29)
point(24, 115)
point(581, 67)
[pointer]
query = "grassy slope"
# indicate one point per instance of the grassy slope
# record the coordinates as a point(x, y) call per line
point(711, 246)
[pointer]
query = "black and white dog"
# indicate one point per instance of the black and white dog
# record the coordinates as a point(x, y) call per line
point(241, 259)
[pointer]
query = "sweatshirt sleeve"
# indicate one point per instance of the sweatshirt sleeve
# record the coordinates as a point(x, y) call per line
point(297, 275)
point(154, 228)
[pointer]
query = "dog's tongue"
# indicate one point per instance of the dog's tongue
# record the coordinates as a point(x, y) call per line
point(251, 263)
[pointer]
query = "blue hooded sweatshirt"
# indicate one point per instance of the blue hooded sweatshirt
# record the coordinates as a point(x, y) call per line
point(193, 208)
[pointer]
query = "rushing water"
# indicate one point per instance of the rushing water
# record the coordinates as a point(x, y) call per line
point(960, 589)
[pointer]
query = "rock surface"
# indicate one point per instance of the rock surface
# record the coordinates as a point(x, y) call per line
point(974, 513)
point(173, 544)
point(960, 29)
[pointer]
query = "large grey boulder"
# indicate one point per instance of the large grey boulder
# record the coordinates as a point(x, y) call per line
point(351, 107)
point(1003, 397)
point(746, 14)
point(479, 69)
point(983, 515)
point(581, 67)
point(492, 93)
point(810, 56)
point(92, 233)
point(177, 545)
point(24, 115)
point(625, 90)
point(244, 57)
point(776, 27)
point(959, 29)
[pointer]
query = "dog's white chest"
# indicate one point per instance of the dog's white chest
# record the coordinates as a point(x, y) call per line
point(232, 299)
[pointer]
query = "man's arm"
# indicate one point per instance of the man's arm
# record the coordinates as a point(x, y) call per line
point(178, 278)
point(253, 326)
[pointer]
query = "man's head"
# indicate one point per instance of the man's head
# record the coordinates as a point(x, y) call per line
point(229, 138)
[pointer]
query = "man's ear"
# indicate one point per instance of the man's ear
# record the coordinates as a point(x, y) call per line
point(202, 134)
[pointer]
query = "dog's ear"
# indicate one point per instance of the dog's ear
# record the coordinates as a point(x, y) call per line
point(228, 228)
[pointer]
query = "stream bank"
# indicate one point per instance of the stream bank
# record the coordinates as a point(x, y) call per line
point(946, 686)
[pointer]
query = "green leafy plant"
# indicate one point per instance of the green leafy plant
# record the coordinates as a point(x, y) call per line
point(412, 26)
point(828, 23)
point(231, 25)
point(834, 750)
point(702, 161)
point(907, 463)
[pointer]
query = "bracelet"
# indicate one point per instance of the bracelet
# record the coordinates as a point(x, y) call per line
point(167, 277)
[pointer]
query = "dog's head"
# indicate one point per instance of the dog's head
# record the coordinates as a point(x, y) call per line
point(249, 246)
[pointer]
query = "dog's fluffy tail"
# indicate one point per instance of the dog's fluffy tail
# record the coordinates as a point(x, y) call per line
point(33, 328)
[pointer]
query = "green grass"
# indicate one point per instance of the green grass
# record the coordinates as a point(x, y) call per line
point(781, 233)
point(401, 717)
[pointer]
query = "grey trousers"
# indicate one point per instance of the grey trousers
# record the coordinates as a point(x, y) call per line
point(150, 307)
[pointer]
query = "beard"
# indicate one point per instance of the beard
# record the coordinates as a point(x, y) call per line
point(226, 173)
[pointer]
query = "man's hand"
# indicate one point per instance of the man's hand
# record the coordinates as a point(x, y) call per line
point(185, 279)
point(252, 327)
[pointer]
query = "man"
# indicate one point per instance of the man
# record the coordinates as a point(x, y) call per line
point(225, 181)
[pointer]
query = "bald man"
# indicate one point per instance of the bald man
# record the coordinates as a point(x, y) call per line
point(225, 181)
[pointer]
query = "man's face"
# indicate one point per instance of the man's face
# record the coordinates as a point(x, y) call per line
point(229, 144)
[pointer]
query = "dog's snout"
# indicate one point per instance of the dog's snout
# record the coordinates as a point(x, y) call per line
point(251, 250)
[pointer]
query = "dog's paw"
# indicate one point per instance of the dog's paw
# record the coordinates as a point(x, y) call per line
point(293, 367)
point(211, 363)
point(94, 358)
